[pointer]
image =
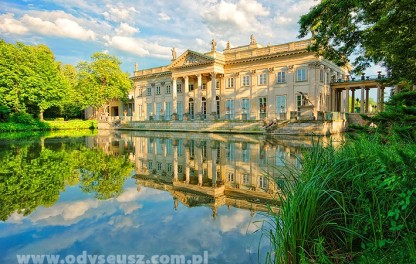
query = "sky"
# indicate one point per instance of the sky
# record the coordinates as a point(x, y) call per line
point(143, 31)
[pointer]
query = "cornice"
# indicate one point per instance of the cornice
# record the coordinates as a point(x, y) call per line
point(265, 57)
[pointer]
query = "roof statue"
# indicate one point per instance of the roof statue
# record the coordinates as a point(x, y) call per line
point(213, 45)
point(136, 66)
point(173, 54)
point(252, 39)
point(228, 46)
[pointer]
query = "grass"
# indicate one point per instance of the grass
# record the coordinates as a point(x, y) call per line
point(347, 203)
point(36, 125)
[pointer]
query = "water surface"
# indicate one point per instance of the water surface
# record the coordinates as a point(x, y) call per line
point(140, 193)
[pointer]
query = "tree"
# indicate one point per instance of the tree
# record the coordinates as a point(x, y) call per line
point(30, 79)
point(101, 81)
point(378, 31)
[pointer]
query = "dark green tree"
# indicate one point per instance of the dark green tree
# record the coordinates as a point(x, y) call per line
point(379, 31)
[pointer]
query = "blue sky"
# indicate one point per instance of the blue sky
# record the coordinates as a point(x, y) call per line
point(144, 31)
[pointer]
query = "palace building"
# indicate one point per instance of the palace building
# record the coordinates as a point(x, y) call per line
point(250, 82)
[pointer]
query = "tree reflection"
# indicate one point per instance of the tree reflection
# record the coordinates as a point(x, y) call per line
point(29, 178)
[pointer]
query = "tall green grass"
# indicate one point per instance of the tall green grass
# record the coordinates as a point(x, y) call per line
point(345, 201)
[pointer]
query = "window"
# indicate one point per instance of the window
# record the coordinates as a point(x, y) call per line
point(281, 104)
point(229, 105)
point(167, 89)
point(231, 177)
point(180, 168)
point(281, 77)
point(301, 75)
point(204, 86)
point(230, 82)
point(149, 91)
point(168, 110)
point(140, 92)
point(230, 151)
point(245, 105)
point(321, 75)
point(150, 165)
point(246, 179)
point(299, 101)
point(191, 87)
point(263, 182)
point(263, 104)
point(262, 79)
point(159, 166)
point(158, 90)
point(217, 85)
point(246, 80)
point(245, 154)
point(169, 167)
point(179, 88)
point(149, 109)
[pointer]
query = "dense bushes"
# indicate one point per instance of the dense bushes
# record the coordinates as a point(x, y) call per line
point(358, 198)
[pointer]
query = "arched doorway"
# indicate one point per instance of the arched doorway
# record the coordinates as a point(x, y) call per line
point(204, 108)
point(191, 108)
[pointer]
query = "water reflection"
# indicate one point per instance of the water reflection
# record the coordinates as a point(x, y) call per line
point(188, 193)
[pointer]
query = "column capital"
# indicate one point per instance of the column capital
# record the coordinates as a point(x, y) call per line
point(174, 78)
point(213, 74)
point(186, 77)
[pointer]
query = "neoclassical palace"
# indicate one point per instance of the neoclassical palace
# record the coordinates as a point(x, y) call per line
point(250, 82)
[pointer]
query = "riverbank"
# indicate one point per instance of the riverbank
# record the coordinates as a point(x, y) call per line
point(36, 125)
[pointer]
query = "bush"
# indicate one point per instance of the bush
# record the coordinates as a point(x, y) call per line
point(4, 113)
point(22, 118)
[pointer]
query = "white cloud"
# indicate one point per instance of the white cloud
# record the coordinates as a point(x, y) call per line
point(163, 16)
point(10, 25)
point(140, 47)
point(126, 30)
point(119, 13)
point(62, 27)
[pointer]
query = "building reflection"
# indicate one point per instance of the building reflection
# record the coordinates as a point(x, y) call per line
point(243, 171)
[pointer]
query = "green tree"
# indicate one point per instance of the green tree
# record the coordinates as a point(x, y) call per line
point(71, 106)
point(101, 81)
point(30, 79)
point(379, 31)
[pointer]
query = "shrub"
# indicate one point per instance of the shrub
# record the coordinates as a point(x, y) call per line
point(22, 118)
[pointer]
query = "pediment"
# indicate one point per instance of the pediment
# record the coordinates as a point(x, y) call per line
point(191, 58)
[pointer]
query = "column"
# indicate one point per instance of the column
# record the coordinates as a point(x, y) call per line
point(213, 92)
point(367, 99)
point(362, 100)
point(175, 96)
point(187, 169)
point(382, 98)
point(186, 93)
point(214, 166)
point(333, 107)
point(347, 100)
point(378, 99)
point(199, 97)
point(200, 169)
point(352, 100)
point(175, 163)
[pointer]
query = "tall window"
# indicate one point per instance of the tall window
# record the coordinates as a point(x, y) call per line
point(149, 91)
point(167, 89)
point(204, 86)
point(299, 101)
point(263, 79)
point(191, 87)
point(217, 85)
point(229, 106)
point(149, 109)
point(281, 77)
point(168, 111)
point(179, 109)
point(230, 177)
point(140, 109)
point(321, 75)
point(158, 90)
point(158, 110)
point(263, 182)
point(263, 107)
point(140, 91)
point(230, 82)
point(246, 80)
point(230, 151)
point(245, 105)
point(246, 179)
point(281, 104)
point(301, 74)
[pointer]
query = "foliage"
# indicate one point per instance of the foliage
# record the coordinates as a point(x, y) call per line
point(30, 79)
point(33, 174)
point(72, 124)
point(102, 174)
point(399, 117)
point(4, 113)
point(347, 200)
point(376, 31)
point(100, 81)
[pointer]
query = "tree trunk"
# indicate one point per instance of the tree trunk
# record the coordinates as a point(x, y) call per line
point(41, 115)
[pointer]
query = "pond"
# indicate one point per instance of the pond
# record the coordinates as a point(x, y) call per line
point(131, 196)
